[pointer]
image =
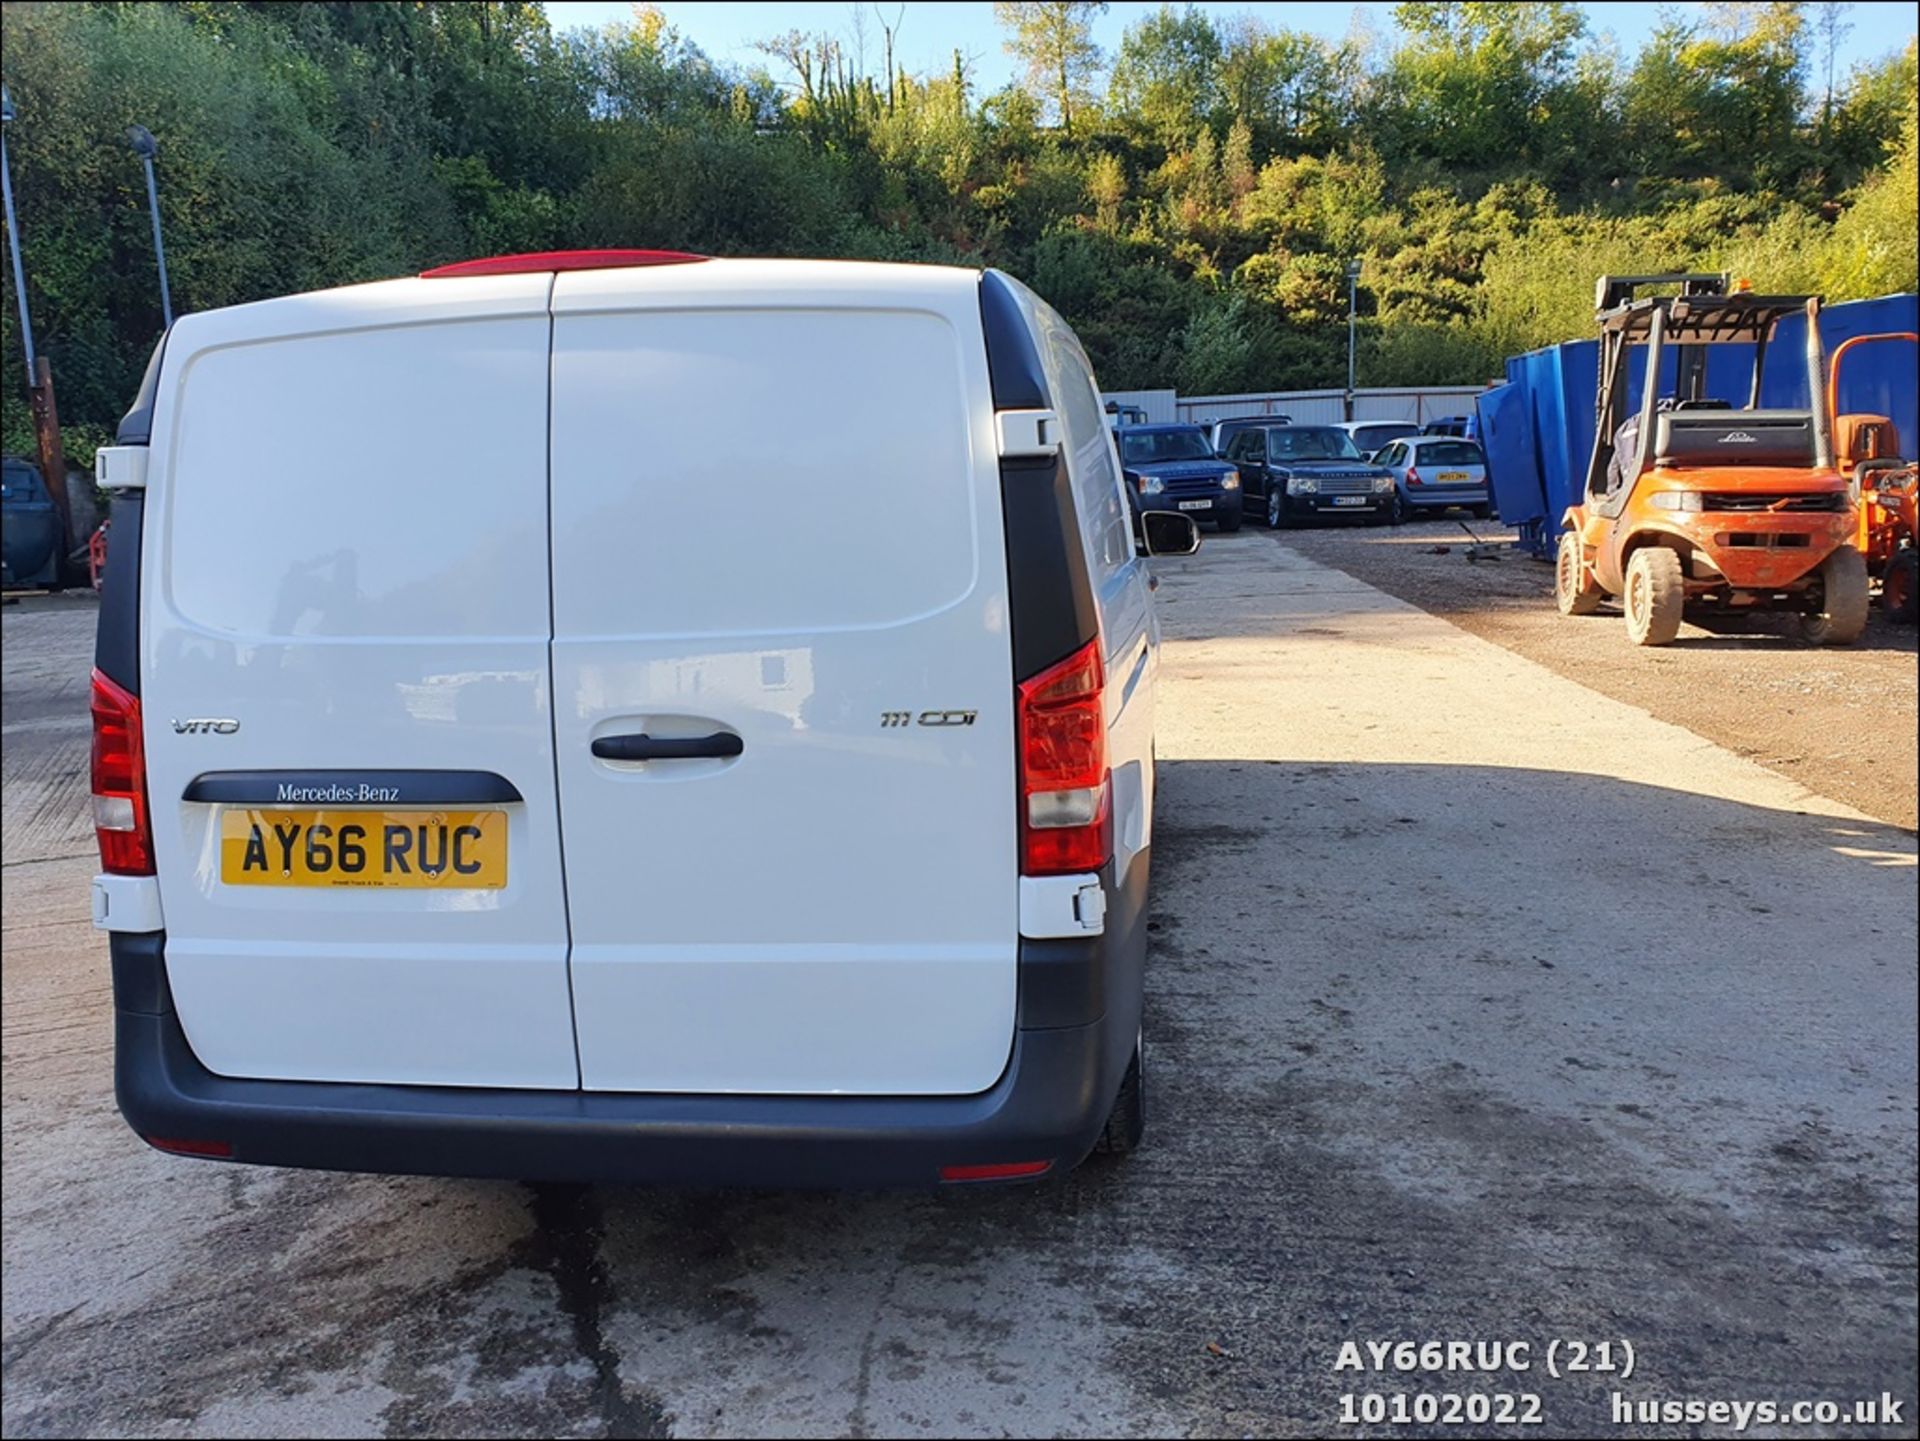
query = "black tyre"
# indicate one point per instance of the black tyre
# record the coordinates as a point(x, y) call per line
point(1656, 595)
point(1127, 1121)
point(1839, 616)
point(1230, 519)
point(1276, 510)
point(1398, 514)
point(1574, 592)
point(1897, 587)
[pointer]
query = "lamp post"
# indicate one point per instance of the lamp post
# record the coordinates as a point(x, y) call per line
point(13, 229)
point(1353, 315)
point(146, 147)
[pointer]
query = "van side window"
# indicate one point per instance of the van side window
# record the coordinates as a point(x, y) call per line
point(1096, 480)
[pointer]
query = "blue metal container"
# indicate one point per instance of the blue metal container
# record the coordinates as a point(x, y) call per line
point(1538, 427)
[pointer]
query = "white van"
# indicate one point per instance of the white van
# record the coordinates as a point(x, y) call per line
point(628, 716)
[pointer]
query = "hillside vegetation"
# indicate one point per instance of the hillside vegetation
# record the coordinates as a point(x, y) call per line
point(1190, 202)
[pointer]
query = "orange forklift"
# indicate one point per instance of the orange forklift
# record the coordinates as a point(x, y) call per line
point(1695, 504)
point(1883, 486)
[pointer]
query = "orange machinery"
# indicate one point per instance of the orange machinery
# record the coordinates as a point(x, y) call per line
point(1699, 503)
point(1883, 485)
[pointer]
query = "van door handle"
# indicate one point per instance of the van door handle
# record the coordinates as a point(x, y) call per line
point(643, 747)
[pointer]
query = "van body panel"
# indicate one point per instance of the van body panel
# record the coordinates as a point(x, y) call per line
point(344, 570)
point(776, 517)
point(1129, 628)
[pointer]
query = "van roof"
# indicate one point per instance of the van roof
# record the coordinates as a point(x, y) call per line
point(478, 294)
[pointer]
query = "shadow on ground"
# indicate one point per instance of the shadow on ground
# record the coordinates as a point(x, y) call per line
point(1437, 1052)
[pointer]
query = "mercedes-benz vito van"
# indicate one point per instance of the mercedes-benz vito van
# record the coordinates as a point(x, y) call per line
point(473, 799)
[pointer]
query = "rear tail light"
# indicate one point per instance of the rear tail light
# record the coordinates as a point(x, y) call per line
point(121, 820)
point(1066, 802)
point(1002, 1171)
point(214, 1150)
point(1413, 476)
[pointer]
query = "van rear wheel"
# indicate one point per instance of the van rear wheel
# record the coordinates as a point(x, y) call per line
point(1127, 1121)
point(1840, 614)
point(1656, 595)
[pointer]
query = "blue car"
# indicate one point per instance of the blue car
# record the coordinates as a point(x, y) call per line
point(1295, 473)
point(1173, 467)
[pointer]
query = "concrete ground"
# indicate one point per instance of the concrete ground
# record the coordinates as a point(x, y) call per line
point(1482, 1007)
point(1840, 720)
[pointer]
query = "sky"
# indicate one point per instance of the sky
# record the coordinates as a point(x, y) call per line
point(933, 29)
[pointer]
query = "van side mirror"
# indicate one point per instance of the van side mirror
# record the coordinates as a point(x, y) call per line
point(1167, 532)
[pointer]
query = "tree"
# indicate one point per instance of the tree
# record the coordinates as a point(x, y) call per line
point(1055, 40)
point(1293, 90)
point(1479, 81)
point(1167, 73)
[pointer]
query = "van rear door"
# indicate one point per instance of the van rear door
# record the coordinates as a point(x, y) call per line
point(783, 680)
point(344, 638)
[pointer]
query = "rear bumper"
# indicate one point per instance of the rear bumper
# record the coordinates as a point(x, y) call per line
point(1050, 1103)
point(1434, 497)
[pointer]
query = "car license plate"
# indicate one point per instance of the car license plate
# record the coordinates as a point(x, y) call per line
point(1455, 477)
point(1196, 505)
point(1349, 500)
point(392, 850)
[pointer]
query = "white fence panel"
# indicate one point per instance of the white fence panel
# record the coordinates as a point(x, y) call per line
point(1325, 407)
point(1416, 404)
point(1158, 404)
point(1306, 407)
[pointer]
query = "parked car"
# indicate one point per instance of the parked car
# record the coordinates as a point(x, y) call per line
point(1292, 472)
point(30, 540)
point(1173, 467)
point(1455, 425)
point(830, 913)
point(1370, 437)
point(1433, 472)
point(1223, 431)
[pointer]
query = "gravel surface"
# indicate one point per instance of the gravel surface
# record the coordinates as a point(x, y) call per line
point(1840, 721)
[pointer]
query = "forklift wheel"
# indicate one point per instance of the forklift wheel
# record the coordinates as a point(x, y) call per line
point(1897, 587)
point(1842, 616)
point(1656, 594)
point(1573, 589)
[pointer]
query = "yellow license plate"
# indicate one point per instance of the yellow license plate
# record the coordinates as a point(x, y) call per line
point(1446, 475)
point(423, 849)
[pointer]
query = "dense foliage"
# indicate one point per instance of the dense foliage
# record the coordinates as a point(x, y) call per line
point(1190, 202)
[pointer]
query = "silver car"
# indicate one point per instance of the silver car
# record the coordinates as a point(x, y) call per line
point(1432, 472)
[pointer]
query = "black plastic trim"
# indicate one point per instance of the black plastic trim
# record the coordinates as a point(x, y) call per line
point(136, 426)
point(140, 973)
point(1050, 1104)
point(411, 788)
point(1050, 591)
point(116, 636)
point(1013, 360)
